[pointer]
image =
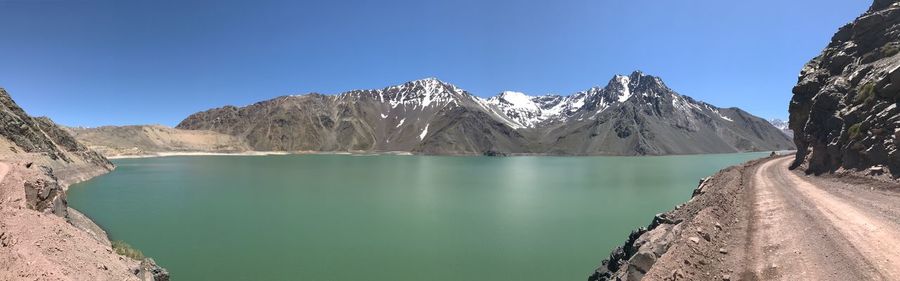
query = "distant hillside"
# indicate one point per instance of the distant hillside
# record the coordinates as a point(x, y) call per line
point(783, 126)
point(148, 139)
point(632, 115)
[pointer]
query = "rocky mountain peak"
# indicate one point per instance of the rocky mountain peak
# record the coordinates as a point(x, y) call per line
point(619, 88)
point(883, 4)
point(429, 84)
point(782, 125)
point(638, 90)
point(421, 94)
point(426, 87)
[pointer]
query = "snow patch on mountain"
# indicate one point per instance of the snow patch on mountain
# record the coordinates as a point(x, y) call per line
point(422, 94)
point(624, 81)
point(723, 116)
point(519, 108)
point(424, 132)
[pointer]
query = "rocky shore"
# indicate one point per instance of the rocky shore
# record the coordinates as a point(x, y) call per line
point(753, 222)
point(696, 240)
point(41, 237)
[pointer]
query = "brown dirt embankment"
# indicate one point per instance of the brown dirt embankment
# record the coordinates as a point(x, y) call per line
point(42, 239)
point(762, 221)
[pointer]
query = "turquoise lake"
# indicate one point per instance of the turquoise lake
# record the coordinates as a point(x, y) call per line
point(390, 218)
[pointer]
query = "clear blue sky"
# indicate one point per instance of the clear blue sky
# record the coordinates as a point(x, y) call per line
point(89, 63)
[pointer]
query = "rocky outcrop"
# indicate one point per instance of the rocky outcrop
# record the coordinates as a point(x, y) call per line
point(150, 271)
point(41, 135)
point(633, 115)
point(44, 194)
point(41, 142)
point(844, 110)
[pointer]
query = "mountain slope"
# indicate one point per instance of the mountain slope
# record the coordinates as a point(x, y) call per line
point(640, 115)
point(783, 126)
point(26, 138)
point(632, 115)
point(149, 139)
point(844, 110)
point(427, 116)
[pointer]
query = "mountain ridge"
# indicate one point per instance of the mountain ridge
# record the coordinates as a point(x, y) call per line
point(634, 114)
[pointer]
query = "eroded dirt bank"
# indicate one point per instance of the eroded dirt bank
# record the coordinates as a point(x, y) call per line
point(42, 239)
point(762, 221)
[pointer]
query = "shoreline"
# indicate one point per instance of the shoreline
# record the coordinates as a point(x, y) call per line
point(394, 153)
point(703, 233)
point(254, 153)
point(198, 153)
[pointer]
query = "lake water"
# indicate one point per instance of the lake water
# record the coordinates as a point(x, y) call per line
point(391, 218)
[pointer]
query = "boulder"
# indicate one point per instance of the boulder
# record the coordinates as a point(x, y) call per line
point(45, 194)
point(149, 271)
point(876, 170)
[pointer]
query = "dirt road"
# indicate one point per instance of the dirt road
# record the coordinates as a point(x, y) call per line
point(813, 229)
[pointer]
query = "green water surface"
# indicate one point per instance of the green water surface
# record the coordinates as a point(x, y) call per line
point(390, 218)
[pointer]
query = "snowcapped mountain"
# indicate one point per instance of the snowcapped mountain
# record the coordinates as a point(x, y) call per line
point(535, 111)
point(418, 94)
point(778, 123)
point(783, 126)
point(529, 111)
point(632, 115)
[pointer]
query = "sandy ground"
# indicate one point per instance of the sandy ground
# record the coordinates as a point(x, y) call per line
point(43, 246)
point(804, 231)
point(255, 153)
point(168, 154)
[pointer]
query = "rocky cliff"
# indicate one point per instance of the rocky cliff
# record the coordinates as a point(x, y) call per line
point(42, 141)
point(632, 115)
point(40, 236)
point(844, 110)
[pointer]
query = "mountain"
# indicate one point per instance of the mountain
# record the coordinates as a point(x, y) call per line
point(150, 139)
point(427, 116)
point(844, 110)
point(632, 115)
point(783, 126)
